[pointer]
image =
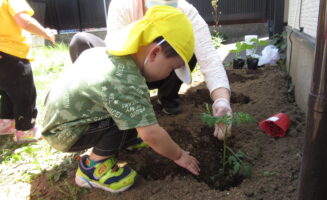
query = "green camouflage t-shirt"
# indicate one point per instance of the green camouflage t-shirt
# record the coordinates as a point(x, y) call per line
point(97, 86)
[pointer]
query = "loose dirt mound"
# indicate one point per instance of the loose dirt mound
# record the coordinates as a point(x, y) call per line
point(276, 162)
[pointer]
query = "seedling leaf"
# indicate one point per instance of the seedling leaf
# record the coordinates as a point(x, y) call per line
point(235, 160)
point(231, 160)
point(236, 168)
point(247, 171)
point(240, 155)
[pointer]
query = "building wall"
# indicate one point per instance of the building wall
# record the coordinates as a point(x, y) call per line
point(301, 46)
point(286, 10)
point(300, 59)
point(305, 15)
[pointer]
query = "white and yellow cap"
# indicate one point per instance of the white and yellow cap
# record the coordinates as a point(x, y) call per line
point(165, 21)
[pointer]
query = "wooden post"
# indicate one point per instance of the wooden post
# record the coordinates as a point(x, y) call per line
point(313, 175)
point(275, 16)
point(279, 16)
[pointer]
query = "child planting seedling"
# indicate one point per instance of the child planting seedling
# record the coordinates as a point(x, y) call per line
point(233, 163)
point(107, 107)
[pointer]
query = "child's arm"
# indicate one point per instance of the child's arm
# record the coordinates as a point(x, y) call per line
point(33, 26)
point(160, 141)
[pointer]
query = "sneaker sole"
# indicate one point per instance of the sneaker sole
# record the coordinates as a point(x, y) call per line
point(163, 110)
point(7, 132)
point(166, 112)
point(82, 182)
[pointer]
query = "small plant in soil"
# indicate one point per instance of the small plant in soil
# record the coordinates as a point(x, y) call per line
point(234, 165)
point(252, 60)
point(238, 61)
point(217, 38)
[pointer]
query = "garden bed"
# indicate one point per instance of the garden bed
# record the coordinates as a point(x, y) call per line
point(275, 162)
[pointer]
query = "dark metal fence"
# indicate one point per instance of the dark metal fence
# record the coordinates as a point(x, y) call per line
point(71, 14)
point(233, 11)
point(83, 14)
point(39, 7)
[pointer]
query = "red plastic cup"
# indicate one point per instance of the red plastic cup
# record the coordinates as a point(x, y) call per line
point(276, 125)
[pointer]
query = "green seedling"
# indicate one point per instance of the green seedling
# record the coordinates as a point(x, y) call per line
point(240, 47)
point(256, 43)
point(237, 164)
point(234, 160)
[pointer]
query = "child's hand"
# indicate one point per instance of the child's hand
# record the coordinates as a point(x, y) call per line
point(188, 162)
point(50, 35)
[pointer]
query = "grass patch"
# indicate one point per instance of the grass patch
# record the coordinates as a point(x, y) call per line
point(49, 62)
point(23, 162)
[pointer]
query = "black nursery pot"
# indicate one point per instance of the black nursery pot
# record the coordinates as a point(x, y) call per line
point(252, 63)
point(238, 63)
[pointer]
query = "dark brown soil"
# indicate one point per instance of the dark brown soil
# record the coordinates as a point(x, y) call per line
point(276, 162)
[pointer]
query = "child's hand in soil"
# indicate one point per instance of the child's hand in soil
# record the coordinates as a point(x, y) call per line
point(188, 162)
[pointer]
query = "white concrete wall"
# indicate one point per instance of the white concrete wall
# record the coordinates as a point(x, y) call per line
point(301, 68)
point(309, 15)
point(286, 10)
point(303, 46)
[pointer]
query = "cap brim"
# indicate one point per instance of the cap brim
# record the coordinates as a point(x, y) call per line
point(184, 73)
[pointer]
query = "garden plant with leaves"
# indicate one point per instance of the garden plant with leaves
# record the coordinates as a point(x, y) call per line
point(235, 161)
point(238, 61)
point(279, 40)
point(253, 59)
point(240, 47)
point(256, 43)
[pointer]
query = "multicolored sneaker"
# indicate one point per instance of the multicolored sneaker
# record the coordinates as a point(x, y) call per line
point(105, 175)
point(26, 136)
point(7, 126)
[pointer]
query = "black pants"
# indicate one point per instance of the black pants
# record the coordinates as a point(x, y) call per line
point(17, 91)
point(105, 138)
point(167, 88)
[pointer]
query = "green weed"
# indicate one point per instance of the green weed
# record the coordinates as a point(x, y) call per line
point(218, 39)
point(70, 191)
point(268, 173)
point(280, 41)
